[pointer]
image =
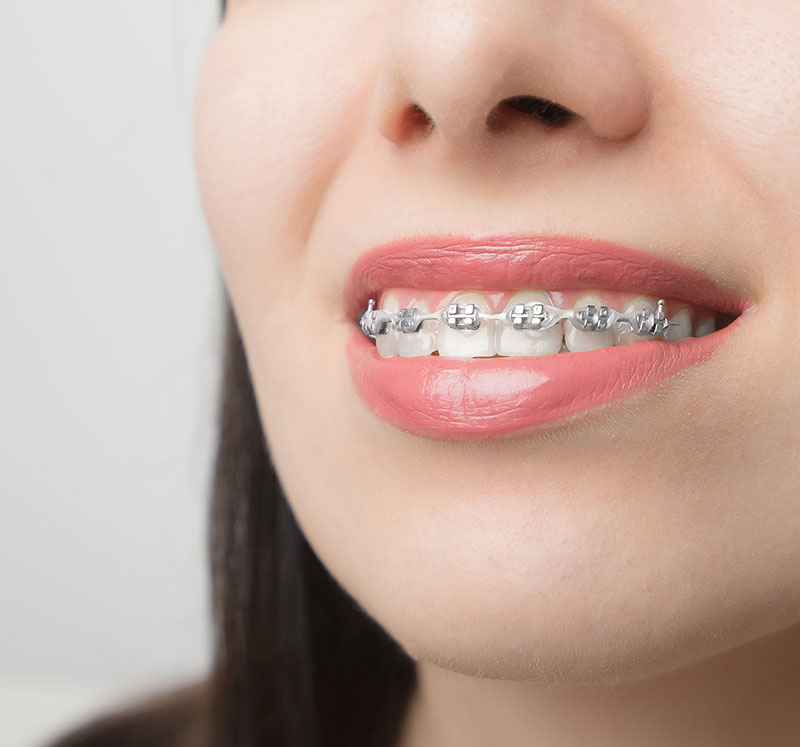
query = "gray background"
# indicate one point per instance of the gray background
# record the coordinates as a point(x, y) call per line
point(109, 325)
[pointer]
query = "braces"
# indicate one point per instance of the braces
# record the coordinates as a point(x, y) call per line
point(533, 315)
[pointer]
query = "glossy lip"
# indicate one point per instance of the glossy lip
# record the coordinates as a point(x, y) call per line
point(445, 397)
point(511, 262)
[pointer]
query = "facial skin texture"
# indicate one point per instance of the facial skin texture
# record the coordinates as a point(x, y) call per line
point(647, 542)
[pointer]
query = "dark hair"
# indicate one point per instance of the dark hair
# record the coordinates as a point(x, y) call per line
point(297, 662)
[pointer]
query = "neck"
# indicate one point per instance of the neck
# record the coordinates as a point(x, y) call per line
point(743, 697)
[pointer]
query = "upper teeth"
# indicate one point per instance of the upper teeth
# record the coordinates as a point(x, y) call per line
point(529, 325)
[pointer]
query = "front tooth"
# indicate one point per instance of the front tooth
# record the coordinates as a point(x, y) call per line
point(684, 330)
point(622, 333)
point(510, 341)
point(705, 327)
point(422, 342)
point(579, 341)
point(467, 343)
point(387, 344)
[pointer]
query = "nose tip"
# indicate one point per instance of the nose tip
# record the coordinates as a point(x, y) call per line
point(452, 64)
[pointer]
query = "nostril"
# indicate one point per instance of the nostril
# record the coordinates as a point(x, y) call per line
point(421, 119)
point(405, 122)
point(413, 121)
point(548, 112)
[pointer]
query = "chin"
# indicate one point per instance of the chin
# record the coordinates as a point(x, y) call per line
point(503, 587)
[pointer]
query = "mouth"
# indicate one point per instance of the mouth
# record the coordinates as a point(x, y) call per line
point(451, 377)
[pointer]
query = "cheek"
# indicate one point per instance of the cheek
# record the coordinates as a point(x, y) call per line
point(278, 105)
point(739, 67)
point(282, 96)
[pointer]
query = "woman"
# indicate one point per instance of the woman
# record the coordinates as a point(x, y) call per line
point(514, 283)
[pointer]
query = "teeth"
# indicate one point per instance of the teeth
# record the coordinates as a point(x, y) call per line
point(450, 329)
point(422, 342)
point(468, 343)
point(509, 341)
point(705, 327)
point(684, 330)
point(387, 344)
point(579, 341)
point(623, 334)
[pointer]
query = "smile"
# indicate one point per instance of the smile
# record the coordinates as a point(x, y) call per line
point(510, 357)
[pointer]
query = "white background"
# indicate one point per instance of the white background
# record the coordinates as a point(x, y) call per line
point(109, 334)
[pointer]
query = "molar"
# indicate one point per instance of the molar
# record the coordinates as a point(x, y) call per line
point(468, 343)
point(579, 341)
point(705, 327)
point(512, 342)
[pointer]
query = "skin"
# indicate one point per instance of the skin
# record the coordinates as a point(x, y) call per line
point(629, 577)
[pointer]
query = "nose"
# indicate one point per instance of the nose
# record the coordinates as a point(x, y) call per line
point(458, 68)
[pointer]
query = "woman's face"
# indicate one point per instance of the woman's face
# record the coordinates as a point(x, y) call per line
point(561, 516)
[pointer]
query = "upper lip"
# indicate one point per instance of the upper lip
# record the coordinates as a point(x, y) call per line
point(547, 262)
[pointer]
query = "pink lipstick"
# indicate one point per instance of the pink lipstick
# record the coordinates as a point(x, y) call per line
point(450, 398)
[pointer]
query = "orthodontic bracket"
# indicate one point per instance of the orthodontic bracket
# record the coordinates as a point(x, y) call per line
point(533, 315)
point(528, 316)
point(592, 318)
point(466, 316)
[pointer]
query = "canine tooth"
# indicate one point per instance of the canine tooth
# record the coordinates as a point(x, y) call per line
point(467, 343)
point(387, 344)
point(623, 334)
point(579, 341)
point(509, 341)
point(684, 330)
point(705, 327)
point(422, 342)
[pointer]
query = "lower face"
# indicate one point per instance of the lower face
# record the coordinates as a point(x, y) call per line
point(631, 534)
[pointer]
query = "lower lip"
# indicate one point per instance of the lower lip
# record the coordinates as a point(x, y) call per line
point(450, 398)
